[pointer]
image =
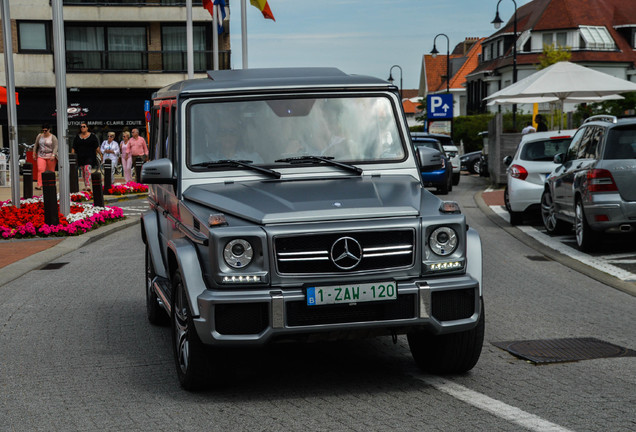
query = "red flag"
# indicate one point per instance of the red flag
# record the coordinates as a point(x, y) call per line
point(209, 5)
point(263, 6)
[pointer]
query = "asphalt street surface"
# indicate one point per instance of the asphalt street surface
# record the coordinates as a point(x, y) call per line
point(77, 353)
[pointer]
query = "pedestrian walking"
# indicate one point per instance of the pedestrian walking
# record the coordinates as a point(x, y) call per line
point(110, 151)
point(126, 156)
point(86, 146)
point(45, 152)
point(541, 125)
point(137, 145)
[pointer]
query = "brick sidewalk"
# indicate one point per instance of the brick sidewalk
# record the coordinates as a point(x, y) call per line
point(493, 197)
point(14, 250)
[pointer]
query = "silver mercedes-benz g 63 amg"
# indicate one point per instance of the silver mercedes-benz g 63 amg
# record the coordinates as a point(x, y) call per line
point(288, 204)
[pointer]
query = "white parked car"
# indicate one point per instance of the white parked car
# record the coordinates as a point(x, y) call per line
point(528, 168)
point(453, 154)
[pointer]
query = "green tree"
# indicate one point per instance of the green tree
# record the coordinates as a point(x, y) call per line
point(552, 55)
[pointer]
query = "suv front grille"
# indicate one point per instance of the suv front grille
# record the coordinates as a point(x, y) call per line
point(345, 252)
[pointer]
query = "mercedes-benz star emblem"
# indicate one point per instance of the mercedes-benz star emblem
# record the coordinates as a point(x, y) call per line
point(346, 253)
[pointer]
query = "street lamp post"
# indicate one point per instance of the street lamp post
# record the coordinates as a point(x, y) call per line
point(434, 53)
point(391, 78)
point(497, 23)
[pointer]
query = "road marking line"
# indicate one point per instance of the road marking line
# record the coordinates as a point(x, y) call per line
point(553, 242)
point(493, 406)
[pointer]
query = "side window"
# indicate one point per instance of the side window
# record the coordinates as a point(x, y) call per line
point(155, 149)
point(173, 130)
point(574, 145)
point(165, 130)
point(585, 142)
point(596, 136)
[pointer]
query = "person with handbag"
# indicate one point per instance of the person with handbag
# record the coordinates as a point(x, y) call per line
point(45, 152)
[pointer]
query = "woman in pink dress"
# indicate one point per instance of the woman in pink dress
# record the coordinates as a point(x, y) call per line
point(126, 157)
point(45, 152)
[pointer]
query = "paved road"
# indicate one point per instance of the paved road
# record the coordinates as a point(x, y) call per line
point(78, 354)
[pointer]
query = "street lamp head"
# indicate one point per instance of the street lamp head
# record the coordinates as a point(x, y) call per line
point(434, 51)
point(390, 78)
point(497, 21)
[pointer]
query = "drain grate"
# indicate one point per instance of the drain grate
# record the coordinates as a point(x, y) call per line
point(53, 266)
point(564, 350)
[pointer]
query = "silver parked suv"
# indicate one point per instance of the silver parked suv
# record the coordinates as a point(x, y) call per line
point(594, 185)
point(287, 204)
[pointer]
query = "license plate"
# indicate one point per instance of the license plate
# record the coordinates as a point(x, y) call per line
point(353, 293)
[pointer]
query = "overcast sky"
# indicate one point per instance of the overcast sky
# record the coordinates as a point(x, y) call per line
point(360, 36)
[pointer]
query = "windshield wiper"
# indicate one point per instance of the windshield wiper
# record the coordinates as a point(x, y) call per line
point(326, 159)
point(240, 163)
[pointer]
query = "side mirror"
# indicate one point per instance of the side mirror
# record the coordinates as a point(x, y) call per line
point(157, 172)
point(429, 159)
point(559, 158)
point(507, 160)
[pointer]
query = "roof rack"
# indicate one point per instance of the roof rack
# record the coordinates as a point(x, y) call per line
point(602, 117)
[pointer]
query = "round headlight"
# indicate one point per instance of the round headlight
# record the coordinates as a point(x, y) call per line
point(443, 241)
point(238, 253)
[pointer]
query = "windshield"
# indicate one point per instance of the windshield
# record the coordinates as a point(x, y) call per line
point(360, 129)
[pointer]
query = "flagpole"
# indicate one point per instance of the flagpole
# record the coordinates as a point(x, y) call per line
point(215, 37)
point(244, 33)
point(189, 40)
point(12, 114)
point(61, 105)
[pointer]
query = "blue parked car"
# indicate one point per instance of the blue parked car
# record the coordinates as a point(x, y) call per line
point(442, 179)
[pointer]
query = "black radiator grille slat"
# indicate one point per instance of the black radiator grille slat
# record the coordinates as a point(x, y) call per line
point(299, 314)
point(311, 254)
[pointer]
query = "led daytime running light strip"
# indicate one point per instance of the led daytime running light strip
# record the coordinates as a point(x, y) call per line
point(241, 279)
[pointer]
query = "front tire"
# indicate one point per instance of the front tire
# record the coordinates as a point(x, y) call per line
point(450, 353)
point(586, 238)
point(189, 352)
point(456, 178)
point(552, 224)
point(476, 167)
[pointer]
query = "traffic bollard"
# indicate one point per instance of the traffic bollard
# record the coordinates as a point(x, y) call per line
point(98, 193)
point(138, 164)
point(108, 179)
point(49, 191)
point(72, 173)
point(27, 180)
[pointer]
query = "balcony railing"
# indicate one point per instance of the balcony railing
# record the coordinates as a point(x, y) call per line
point(142, 61)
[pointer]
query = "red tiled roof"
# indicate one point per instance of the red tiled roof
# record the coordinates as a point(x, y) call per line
point(410, 107)
point(542, 15)
point(472, 60)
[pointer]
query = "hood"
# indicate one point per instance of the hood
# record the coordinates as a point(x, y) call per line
point(284, 201)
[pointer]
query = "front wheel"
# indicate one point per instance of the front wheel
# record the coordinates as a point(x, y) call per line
point(456, 178)
point(189, 352)
point(552, 224)
point(586, 238)
point(477, 167)
point(450, 353)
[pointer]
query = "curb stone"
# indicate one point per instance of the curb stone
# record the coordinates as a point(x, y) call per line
point(611, 281)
